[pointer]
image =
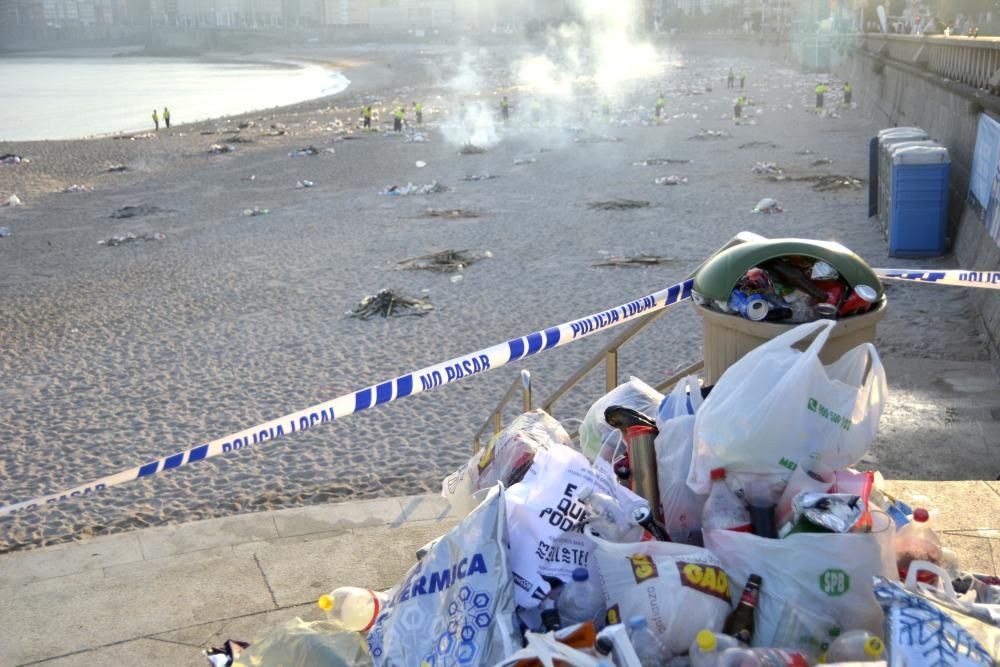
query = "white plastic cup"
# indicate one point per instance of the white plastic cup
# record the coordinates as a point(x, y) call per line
point(811, 476)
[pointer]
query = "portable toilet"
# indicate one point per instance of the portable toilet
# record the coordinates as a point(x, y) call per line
point(881, 167)
point(918, 214)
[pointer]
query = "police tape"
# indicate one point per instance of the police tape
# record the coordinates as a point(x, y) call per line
point(956, 277)
point(386, 392)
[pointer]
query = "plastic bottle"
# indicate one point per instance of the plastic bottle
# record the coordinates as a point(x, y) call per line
point(708, 646)
point(651, 651)
point(723, 510)
point(762, 657)
point(352, 608)
point(581, 599)
point(918, 541)
point(856, 646)
point(607, 517)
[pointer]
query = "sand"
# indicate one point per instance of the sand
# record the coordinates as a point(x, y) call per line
point(114, 356)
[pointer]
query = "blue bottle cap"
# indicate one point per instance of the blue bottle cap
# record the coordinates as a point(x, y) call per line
point(580, 574)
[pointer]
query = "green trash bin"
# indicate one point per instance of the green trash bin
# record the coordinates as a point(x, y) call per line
point(728, 337)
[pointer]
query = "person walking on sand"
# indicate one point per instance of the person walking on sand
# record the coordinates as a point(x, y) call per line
point(397, 120)
point(156, 120)
point(418, 112)
point(821, 89)
point(847, 94)
point(743, 79)
point(166, 117)
point(366, 116)
point(660, 103)
point(505, 109)
point(729, 79)
point(738, 109)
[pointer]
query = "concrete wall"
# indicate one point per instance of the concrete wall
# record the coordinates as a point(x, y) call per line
point(897, 93)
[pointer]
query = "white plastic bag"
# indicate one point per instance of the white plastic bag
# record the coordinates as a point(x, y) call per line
point(680, 589)
point(596, 434)
point(681, 506)
point(811, 582)
point(505, 459)
point(456, 605)
point(546, 518)
point(778, 405)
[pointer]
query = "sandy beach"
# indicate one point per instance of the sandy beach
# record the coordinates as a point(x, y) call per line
point(116, 355)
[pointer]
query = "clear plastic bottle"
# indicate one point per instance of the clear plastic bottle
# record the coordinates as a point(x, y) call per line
point(918, 541)
point(762, 657)
point(581, 599)
point(708, 646)
point(856, 646)
point(352, 608)
point(651, 651)
point(723, 510)
point(607, 517)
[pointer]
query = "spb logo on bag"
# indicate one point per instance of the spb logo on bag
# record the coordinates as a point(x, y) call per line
point(834, 582)
point(707, 579)
point(643, 568)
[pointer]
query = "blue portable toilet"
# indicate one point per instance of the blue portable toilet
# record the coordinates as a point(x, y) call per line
point(918, 200)
point(880, 168)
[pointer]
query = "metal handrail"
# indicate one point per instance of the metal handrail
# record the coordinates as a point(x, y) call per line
point(496, 417)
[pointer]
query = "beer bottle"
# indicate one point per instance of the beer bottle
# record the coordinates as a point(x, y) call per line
point(740, 623)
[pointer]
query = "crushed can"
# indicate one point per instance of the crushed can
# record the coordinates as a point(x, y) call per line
point(751, 306)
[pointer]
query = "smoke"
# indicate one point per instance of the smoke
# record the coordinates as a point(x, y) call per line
point(477, 126)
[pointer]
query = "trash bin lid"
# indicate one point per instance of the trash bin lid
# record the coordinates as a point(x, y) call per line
point(921, 155)
point(716, 279)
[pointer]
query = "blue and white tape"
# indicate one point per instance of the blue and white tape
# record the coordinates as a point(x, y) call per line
point(385, 392)
point(954, 277)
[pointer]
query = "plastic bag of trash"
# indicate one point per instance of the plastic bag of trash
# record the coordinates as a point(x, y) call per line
point(298, 643)
point(456, 605)
point(506, 458)
point(768, 205)
point(812, 582)
point(920, 631)
point(674, 444)
point(680, 589)
point(596, 435)
point(779, 405)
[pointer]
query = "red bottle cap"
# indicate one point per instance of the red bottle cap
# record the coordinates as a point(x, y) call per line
point(919, 515)
point(719, 473)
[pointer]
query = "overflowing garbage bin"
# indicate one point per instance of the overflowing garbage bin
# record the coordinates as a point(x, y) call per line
point(730, 334)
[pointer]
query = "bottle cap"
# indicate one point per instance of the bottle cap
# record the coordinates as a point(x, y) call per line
point(874, 647)
point(637, 622)
point(718, 473)
point(580, 574)
point(706, 641)
point(920, 515)
point(325, 602)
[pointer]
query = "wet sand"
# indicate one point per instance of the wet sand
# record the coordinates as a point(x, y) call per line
point(113, 356)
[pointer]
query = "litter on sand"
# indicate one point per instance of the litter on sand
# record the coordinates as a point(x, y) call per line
point(410, 189)
point(471, 149)
point(136, 211)
point(420, 164)
point(633, 261)
point(390, 303)
point(303, 152)
point(834, 182)
point(255, 211)
point(597, 139)
point(478, 177)
point(131, 238)
point(670, 180)
point(450, 213)
point(617, 204)
point(304, 184)
point(710, 134)
point(76, 188)
point(237, 139)
point(525, 160)
point(659, 162)
point(218, 149)
point(4, 231)
point(767, 206)
point(117, 169)
point(820, 162)
point(766, 168)
point(446, 261)
point(758, 144)
point(13, 200)
point(13, 158)
point(417, 138)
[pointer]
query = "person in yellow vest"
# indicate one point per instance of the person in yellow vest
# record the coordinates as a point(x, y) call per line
point(743, 79)
point(505, 109)
point(418, 112)
point(366, 115)
point(821, 89)
point(847, 94)
point(166, 117)
point(741, 102)
point(156, 120)
point(660, 103)
point(397, 120)
point(729, 79)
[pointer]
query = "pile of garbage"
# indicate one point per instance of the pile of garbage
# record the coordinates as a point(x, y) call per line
point(672, 179)
point(13, 158)
point(136, 211)
point(131, 238)
point(767, 168)
point(410, 189)
point(471, 149)
point(674, 532)
point(767, 205)
point(75, 187)
point(793, 290)
point(390, 303)
point(447, 261)
point(218, 149)
point(308, 151)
